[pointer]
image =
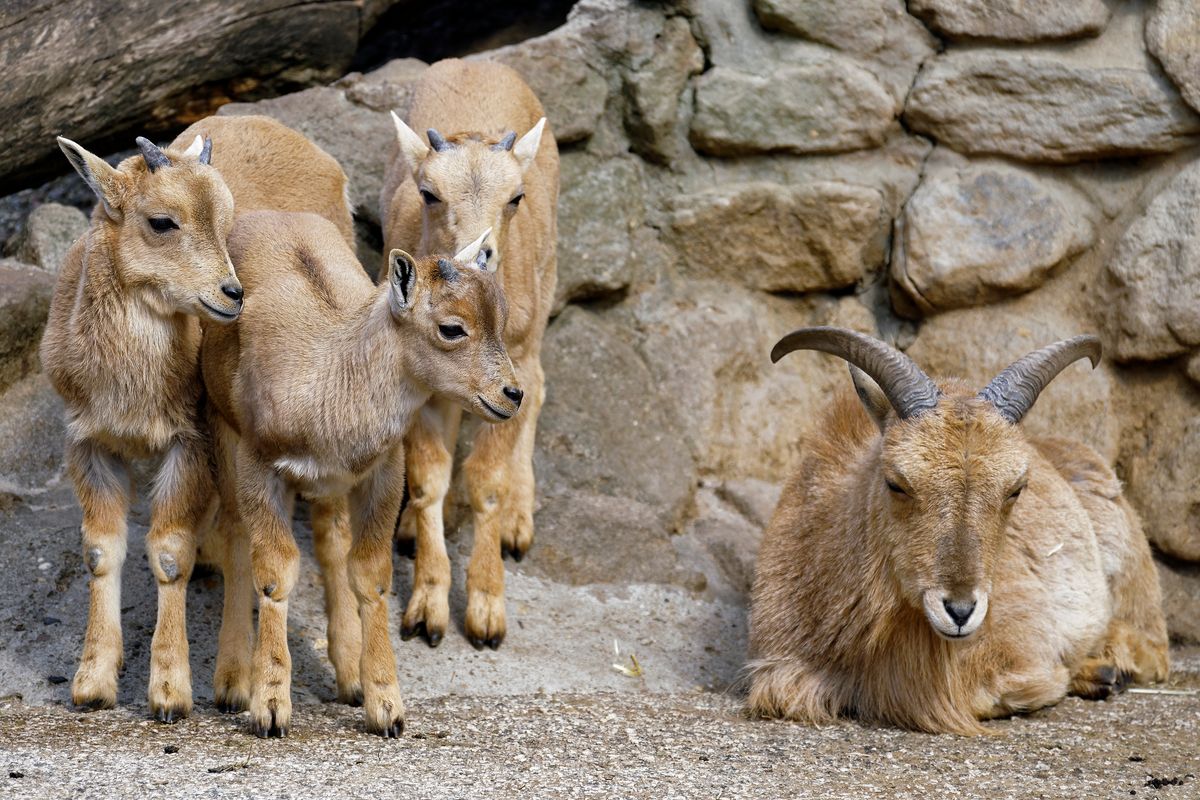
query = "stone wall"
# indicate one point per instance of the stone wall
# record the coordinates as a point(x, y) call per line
point(968, 179)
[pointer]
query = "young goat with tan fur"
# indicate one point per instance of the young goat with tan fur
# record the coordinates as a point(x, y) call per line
point(121, 347)
point(316, 386)
point(436, 198)
point(930, 566)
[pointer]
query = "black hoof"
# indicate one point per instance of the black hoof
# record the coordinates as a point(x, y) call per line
point(230, 707)
point(407, 632)
point(406, 547)
point(271, 731)
point(96, 704)
point(476, 643)
point(434, 639)
point(393, 731)
point(494, 642)
point(169, 716)
point(354, 700)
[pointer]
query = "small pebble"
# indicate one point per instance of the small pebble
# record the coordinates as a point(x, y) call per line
point(56, 679)
point(45, 565)
point(171, 749)
point(15, 774)
point(51, 621)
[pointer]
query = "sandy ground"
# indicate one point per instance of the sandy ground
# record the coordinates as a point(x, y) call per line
point(545, 716)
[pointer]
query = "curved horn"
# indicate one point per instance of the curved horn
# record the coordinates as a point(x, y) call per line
point(436, 141)
point(154, 157)
point(1014, 391)
point(906, 386)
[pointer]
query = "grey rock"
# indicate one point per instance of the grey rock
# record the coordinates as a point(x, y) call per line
point(78, 75)
point(707, 344)
point(1152, 292)
point(565, 73)
point(25, 293)
point(655, 90)
point(1193, 367)
point(826, 105)
point(361, 139)
point(1160, 459)
point(1173, 36)
point(973, 235)
point(1180, 584)
point(49, 232)
point(32, 432)
point(1013, 20)
point(818, 235)
point(606, 429)
point(388, 88)
point(599, 208)
point(1039, 107)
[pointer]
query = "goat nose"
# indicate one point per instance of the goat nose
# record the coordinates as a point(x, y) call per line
point(514, 394)
point(959, 612)
point(233, 291)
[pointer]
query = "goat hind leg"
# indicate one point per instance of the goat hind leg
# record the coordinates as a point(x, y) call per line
point(102, 486)
point(331, 540)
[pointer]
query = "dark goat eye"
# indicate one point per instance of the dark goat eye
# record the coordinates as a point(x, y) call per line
point(429, 197)
point(163, 224)
point(452, 332)
point(516, 201)
point(895, 488)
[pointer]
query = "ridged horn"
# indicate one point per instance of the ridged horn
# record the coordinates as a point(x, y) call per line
point(906, 386)
point(1014, 391)
point(153, 156)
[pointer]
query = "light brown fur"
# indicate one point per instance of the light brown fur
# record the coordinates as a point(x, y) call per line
point(837, 621)
point(474, 104)
point(315, 387)
point(121, 348)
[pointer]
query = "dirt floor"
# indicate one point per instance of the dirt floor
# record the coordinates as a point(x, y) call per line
point(546, 716)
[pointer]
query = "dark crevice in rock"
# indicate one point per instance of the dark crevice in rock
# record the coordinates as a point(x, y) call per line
point(432, 31)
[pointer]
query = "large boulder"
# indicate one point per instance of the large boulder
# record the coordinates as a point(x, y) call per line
point(49, 232)
point(972, 235)
point(599, 209)
point(91, 68)
point(32, 433)
point(818, 235)
point(1173, 36)
point(1160, 457)
point(1152, 291)
point(1013, 20)
point(977, 343)
point(707, 346)
point(655, 90)
point(1180, 584)
point(25, 293)
point(1042, 107)
point(825, 105)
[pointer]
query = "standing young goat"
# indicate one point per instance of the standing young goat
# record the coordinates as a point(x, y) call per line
point(929, 566)
point(316, 386)
point(121, 347)
point(436, 198)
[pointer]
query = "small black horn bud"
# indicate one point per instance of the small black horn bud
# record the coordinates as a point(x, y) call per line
point(153, 156)
point(446, 269)
point(506, 143)
point(206, 151)
point(436, 141)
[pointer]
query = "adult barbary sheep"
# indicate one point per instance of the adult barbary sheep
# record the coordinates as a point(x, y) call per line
point(938, 567)
point(436, 198)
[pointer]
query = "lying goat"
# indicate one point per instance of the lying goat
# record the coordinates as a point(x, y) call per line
point(937, 567)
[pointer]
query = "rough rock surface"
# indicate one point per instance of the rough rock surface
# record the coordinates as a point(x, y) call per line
point(974, 235)
point(24, 303)
point(49, 232)
point(1160, 459)
point(1013, 20)
point(79, 76)
point(1173, 36)
point(1038, 107)
point(828, 105)
point(821, 235)
point(1153, 277)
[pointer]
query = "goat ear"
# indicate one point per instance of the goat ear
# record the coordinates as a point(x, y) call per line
point(526, 148)
point(411, 147)
point(872, 397)
point(194, 148)
point(98, 174)
point(402, 281)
